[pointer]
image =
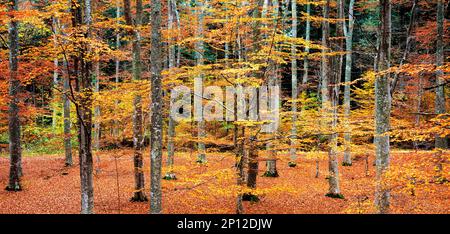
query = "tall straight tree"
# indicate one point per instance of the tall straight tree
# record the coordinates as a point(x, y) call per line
point(115, 129)
point(328, 105)
point(14, 91)
point(97, 113)
point(139, 181)
point(293, 150)
point(198, 98)
point(253, 163)
point(307, 38)
point(272, 80)
point(97, 126)
point(348, 33)
point(55, 24)
point(440, 142)
point(172, 15)
point(65, 73)
point(383, 109)
point(84, 107)
point(66, 114)
point(156, 108)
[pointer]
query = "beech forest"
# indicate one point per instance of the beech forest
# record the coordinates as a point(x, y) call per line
point(224, 107)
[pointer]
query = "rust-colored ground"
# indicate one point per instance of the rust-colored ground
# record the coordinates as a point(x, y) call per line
point(51, 188)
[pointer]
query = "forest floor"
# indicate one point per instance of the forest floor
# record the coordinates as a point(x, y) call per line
point(49, 187)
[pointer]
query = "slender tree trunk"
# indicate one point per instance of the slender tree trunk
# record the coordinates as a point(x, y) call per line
point(383, 110)
point(252, 152)
point(67, 121)
point(348, 33)
point(170, 175)
point(440, 142)
point(97, 114)
point(115, 129)
point(418, 107)
point(156, 109)
point(97, 108)
point(307, 38)
point(271, 164)
point(85, 115)
point(170, 39)
point(177, 19)
point(198, 99)
point(55, 23)
point(13, 112)
point(328, 107)
point(240, 162)
point(293, 150)
point(252, 171)
point(138, 138)
point(252, 162)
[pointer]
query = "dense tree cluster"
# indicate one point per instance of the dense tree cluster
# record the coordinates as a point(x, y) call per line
point(356, 77)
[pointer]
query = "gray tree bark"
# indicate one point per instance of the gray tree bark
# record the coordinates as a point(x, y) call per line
point(97, 115)
point(329, 107)
point(84, 112)
point(156, 109)
point(172, 9)
point(253, 164)
point(67, 121)
point(138, 139)
point(115, 129)
point(294, 68)
point(97, 108)
point(440, 142)
point(15, 150)
point(307, 38)
point(348, 33)
point(55, 23)
point(271, 164)
point(199, 54)
point(383, 109)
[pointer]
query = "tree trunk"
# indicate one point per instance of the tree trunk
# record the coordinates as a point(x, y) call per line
point(170, 175)
point(348, 33)
point(307, 38)
point(85, 116)
point(271, 164)
point(252, 152)
point(383, 109)
point(156, 108)
point(115, 129)
point(55, 23)
point(13, 112)
point(440, 142)
point(198, 99)
point(97, 108)
point(97, 115)
point(328, 108)
point(240, 161)
point(66, 113)
point(139, 181)
point(252, 162)
point(418, 107)
point(293, 150)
